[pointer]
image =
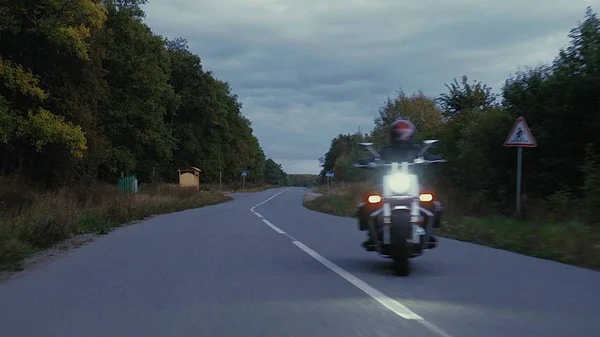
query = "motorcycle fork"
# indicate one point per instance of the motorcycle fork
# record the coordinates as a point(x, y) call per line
point(387, 222)
point(373, 229)
point(419, 228)
point(416, 221)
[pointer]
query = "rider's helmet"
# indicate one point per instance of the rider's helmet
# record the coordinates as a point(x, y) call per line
point(401, 131)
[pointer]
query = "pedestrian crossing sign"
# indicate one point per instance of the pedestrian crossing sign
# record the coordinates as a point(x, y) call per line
point(520, 135)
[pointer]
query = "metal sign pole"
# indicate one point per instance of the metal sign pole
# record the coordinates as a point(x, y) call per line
point(520, 136)
point(519, 177)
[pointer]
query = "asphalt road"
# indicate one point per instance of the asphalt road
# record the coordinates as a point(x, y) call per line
point(222, 271)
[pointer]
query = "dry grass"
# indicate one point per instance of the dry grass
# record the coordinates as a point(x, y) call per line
point(339, 199)
point(41, 220)
point(335, 204)
point(353, 190)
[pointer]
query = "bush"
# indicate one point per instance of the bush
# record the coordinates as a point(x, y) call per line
point(591, 186)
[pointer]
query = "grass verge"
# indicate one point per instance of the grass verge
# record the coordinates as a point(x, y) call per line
point(572, 243)
point(335, 204)
point(567, 242)
point(41, 220)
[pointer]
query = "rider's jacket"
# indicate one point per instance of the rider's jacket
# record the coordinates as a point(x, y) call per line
point(400, 152)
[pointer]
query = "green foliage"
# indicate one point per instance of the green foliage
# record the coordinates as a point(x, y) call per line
point(480, 171)
point(570, 242)
point(336, 204)
point(135, 115)
point(18, 80)
point(78, 19)
point(561, 178)
point(464, 96)
point(560, 104)
point(591, 185)
point(7, 123)
point(560, 202)
point(35, 128)
point(87, 91)
point(274, 174)
point(418, 108)
point(343, 168)
point(343, 151)
point(303, 180)
point(44, 128)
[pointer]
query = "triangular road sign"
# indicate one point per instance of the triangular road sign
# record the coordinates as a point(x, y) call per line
point(520, 135)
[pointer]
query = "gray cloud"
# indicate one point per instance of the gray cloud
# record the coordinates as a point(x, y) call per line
point(309, 70)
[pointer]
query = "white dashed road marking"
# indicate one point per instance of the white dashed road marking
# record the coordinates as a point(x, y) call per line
point(393, 305)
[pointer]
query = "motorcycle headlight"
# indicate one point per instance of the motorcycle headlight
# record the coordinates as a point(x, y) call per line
point(399, 182)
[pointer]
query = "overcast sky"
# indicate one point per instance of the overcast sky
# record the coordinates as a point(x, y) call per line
point(307, 70)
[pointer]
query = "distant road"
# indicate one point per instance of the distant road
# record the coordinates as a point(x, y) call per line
point(224, 271)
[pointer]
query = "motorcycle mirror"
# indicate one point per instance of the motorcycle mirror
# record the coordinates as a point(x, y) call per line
point(369, 147)
point(428, 144)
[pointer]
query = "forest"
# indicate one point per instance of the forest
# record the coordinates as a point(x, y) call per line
point(560, 103)
point(88, 91)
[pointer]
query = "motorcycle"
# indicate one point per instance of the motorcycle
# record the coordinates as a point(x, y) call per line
point(401, 218)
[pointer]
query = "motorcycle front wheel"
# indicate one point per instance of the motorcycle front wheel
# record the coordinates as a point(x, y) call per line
point(400, 231)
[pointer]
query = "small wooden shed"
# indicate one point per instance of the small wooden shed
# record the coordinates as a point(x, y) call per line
point(189, 177)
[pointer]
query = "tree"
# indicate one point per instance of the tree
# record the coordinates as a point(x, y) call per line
point(342, 144)
point(43, 134)
point(135, 116)
point(87, 91)
point(303, 180)
point(274, 173)
point(464, 96)
point(560, 104)
point(418, 108)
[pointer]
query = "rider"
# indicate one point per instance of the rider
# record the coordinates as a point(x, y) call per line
point(402, 147)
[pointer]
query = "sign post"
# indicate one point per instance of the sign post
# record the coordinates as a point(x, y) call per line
point(520, 136)
point(329, 175)
point(244, 174)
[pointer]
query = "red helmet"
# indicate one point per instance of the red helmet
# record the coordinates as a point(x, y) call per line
point(402, 130)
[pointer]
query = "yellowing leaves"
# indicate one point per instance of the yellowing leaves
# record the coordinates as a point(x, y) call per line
point(14, 77)
point(69, 23)
point(43, 128)
point(74, 38)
